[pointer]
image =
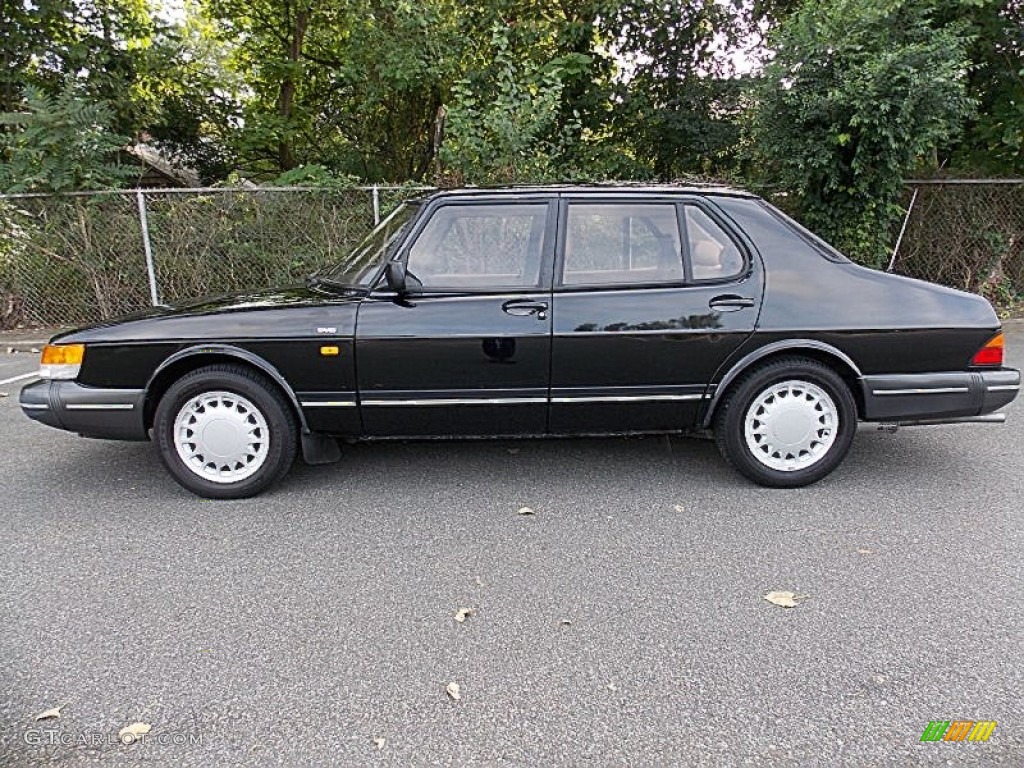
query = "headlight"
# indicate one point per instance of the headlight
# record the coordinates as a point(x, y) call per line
point(61, 361)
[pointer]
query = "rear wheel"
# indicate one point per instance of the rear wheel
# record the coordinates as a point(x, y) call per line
point(225, 432)
point(787, 423)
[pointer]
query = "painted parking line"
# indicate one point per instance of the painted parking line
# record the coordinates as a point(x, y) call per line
point(31, 375)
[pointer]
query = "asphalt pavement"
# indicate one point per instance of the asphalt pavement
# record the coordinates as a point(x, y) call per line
point(621, 624)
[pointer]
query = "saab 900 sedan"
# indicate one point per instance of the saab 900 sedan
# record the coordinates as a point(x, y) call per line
point(553, 311)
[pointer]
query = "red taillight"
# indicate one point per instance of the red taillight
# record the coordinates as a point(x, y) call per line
point(991, 353)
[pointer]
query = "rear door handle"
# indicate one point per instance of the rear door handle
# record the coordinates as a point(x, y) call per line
point(730, 302)
point(525, 308)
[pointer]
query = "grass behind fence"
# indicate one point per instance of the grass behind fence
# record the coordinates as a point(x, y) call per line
point(243, 241)
point(81, 259)
point(76, 260)
point(967, 236)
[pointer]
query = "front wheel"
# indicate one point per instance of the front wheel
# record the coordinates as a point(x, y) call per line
point(787, 423)
point(225, 432)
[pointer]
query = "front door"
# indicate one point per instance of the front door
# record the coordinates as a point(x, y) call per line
point(467, 351)
point(650, 298)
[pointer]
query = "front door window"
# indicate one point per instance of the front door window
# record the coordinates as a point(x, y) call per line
point(480, 247)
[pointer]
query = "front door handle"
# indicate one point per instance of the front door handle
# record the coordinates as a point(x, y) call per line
point(525, 308)
point(730, 302)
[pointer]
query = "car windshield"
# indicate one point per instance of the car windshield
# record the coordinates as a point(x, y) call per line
point(359, 266)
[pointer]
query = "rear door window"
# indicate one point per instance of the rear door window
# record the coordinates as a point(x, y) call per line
point(622, 244)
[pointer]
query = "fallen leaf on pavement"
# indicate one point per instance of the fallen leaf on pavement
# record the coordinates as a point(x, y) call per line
point(679, 508)
point(784, 599)
point(379, 741)
point(48, 714)
point(463, 613)
point(130, 733)
point(454, 691)
point(526, 511)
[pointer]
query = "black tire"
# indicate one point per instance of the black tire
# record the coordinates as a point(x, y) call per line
point(260, 392)
point(730, 422)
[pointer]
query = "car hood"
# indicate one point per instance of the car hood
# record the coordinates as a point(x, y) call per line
point(273, 312)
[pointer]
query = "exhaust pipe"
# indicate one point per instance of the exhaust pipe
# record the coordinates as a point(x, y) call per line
point(986, 418)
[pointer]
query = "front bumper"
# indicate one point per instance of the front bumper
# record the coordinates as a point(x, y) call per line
point(115, 414)
point(932, 396)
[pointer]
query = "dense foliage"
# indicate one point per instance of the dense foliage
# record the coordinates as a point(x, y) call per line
point(860, 90)
point(831, 102)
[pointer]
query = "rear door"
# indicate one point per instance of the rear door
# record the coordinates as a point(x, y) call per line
point(468, 351)
point(650, 297)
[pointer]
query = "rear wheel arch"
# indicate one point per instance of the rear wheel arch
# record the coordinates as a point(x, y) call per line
point(818, 351)
point(185, 361)
point(787, 422)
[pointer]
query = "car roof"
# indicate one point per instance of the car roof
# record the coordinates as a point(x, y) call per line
point(598, 190)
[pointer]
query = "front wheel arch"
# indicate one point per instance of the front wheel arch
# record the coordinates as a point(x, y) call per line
point(251, 406)
point(185, 361)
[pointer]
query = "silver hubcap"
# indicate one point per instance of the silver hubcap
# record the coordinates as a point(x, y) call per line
point(791, 425)
point(221, 437)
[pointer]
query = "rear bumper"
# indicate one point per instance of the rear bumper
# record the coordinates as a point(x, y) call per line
point(928, 396)
point(115, 414)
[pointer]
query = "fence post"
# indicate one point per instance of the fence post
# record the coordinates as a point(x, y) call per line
point(376, 205)
point(903, 230)
point(140, 199)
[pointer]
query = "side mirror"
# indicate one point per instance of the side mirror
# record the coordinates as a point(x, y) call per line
point(394, 273)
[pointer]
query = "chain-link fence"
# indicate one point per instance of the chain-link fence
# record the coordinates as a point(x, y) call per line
point(87, 257)
point(966, 233)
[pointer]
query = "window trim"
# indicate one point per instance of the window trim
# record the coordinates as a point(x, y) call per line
point(543, 284)
point(688, 281)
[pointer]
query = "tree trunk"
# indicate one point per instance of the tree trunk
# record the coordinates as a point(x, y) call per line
point(286, 99)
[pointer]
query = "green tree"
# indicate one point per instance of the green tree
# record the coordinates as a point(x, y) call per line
point(993, 140)
point(858, 92)
point(59, 144)
point(563, 44)
point(355, 87)
point(506, 127)
point(96, 44)
point(192, 96)
point(679, 104)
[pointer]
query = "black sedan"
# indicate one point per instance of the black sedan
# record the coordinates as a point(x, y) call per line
point(540, 312)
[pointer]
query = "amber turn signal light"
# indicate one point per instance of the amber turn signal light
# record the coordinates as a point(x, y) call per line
point(63, 354)
point(61, 361)
point(991, 353)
